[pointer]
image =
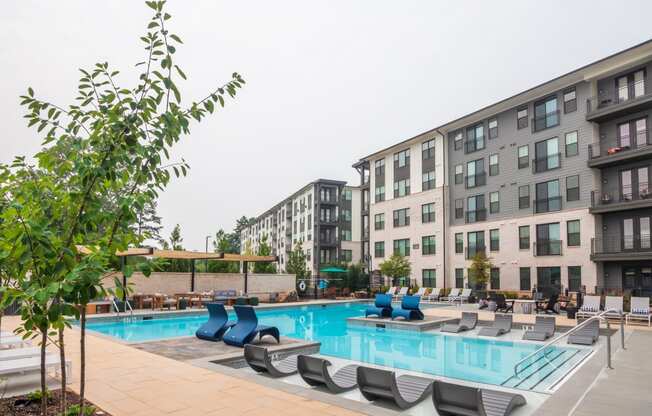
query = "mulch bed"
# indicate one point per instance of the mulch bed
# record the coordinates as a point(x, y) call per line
point(21, 406)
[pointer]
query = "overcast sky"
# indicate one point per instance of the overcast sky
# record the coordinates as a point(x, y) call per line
point(328, 82)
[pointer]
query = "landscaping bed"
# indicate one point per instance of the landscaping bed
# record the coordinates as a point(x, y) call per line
point(26, 405)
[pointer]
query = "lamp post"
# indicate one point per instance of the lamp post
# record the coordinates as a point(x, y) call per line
point(208, 237)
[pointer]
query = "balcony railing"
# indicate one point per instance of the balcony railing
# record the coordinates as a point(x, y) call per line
point(477, 215)
point(639, 140)
point(546, 163)
point(333, 219)
point(630, 92)
point(617, 243)
point(627, 193)
point(471, 146)
point(545, 121)
point(547, 205)
point(470, 252)
point(478, 179)
point(547, 247)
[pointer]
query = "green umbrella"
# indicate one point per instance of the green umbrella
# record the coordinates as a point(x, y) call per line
point(332, 270)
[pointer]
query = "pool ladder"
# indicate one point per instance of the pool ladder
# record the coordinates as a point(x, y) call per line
point(127, 305)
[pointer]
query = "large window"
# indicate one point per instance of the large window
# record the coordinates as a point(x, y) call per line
point(494, 202)
point(428, 180)
point(380, 193)
point(633, 133)
point(459, 243)
point(523, 156)
point(457, 140)
point(524, 237)
point(428, 149)
point(494, 240)
point(379, 221)
point(401, 188)
point(475, 243)
point(571, 144)
point(548, 197)
point(429, 278)
point(459, 278)
point(428, 245)
point(495, 278)
point(493, 128)
point(347, 195)
point(402, 158)
point(546, 114)
point(379, 249)
point(524, 277)
point(549, 279)
point(493, 165)
point(631, 86)
point(548, 239)
point(346, 215)
point(459, 174)
point(521, 118)
point(547, 156)
point(402, 247)
point(379, 167)
point(475, 175)
point(428, 212)
point(574, 278)
point(573, 188)
point(475, 138)
point(570, 100)
point(573, 233)
point(524, 196)
point(459, 208)
point(402, 217)
point(475, 209)
point(347, 256)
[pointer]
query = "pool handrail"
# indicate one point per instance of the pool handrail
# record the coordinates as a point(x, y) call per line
point(600, 316)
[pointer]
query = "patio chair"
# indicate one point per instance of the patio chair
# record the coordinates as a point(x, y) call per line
point(640, 310)
point(586, 335)
point(464, 296)
point(382, 307)
point(502, 325)
point(409, 309)
point(314, 371)
point(468, 321)
point(549, 305)
point(433, 295)
point(391, 291)
point(502, 304)
point(405, 391)
point(32, 364)
point(421, 292)
point(456, 399)
point(247, 328)
point(218, 323)
point(454, 294)
point(18, 353)
point(590, 307)
point(544, 328)
point(613, 302)
point(258, 358)
point(402, 292)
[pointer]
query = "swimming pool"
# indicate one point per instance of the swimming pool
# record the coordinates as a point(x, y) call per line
point(463, 357)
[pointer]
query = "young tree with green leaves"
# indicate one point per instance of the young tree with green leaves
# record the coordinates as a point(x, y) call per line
point(296, 263)
point(395, 267)
point(480, 271)
point(110, 148)
point(264, 249)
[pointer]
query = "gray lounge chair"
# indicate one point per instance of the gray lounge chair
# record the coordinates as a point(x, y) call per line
point(640, 310)
point(502, 325)
point(314, 371)
point(468, 321)
point(587, 335)
point(544, 328)
point(405, 391)
point(454, 399)
point(258, 358)
point(590, 307)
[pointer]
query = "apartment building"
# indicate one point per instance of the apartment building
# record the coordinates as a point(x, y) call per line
point(319, 218)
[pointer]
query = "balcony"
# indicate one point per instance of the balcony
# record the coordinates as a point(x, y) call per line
point(628, 99)
point(616, 247)
point(327, 242)
point(545, 121)
point(546, 163)
point(470, 252)
point(472, 181)
point(332, 220)
point(638, 147)
point(475, 216)
point(551, 204)
point(547, 247)
point(621, 200)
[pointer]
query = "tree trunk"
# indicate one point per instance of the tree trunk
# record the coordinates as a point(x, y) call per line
point(82, 355)
point(44, 395)
point(62, 358)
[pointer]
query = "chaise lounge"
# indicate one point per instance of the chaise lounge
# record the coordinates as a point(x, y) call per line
point(454, 399)
point(452, 296)
point(382, 307)
point(468, 321)
point(544, 328)
point(587, 334)
point(247, 328)
point(314, 371)
point(258, 359)
point(502, 325)
point(218, 323)
point(405, 391)
point(640, 310)
point(590, 307)
point(409, 309)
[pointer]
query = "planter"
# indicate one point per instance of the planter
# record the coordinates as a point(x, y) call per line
point(571, 311)
point(253, 301)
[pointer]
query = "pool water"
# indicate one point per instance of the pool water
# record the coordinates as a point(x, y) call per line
point(462, 357)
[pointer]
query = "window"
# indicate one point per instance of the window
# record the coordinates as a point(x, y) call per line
point(475, 138)
point(546, 114)
point(459, 174)
point(402, 217)
point(548, 240)
point(523, 156)
point(429, 278)
point(428, 180)
point(310, 201)
point(628, 234)
point(428, 245)
point(459, 243)
point(379, 167)
point(631, 86)
point(573, 233)
point(546, 155)
point(494, 240)
point(524, 237)
point(493, 128)
point(493, 165)
point(459, 208)
point(401, 188)
point(402, 247)
point(346, 214)
point(308, 254)
point(495, 278)
point(457, 140)
point(548, 197)
point(347, 256)
point(524, 196)
point(475, 175)
point(346, 235)
point(347, 195)
point(379, 222)
point(571, 144)
point(494, 202)
point(573, 188)
point(474, 243)
point(380, 193)
point(459, 278)
point(379, 249)
point(521, 118)
point(574, 278)
point(475, 210)
point(428, 212)
point(524, 277)
point(570, 100)
point(428, 149)
point(402, 158)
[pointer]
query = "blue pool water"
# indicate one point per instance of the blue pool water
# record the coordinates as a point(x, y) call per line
point(468, 358)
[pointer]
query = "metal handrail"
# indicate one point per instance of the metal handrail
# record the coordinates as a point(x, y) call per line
point(600, 316)
point(115, 306)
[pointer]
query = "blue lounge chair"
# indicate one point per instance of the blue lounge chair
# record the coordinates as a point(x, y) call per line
point(218, 323)
point(246, 329)
point(382, 308)
point(409, 309)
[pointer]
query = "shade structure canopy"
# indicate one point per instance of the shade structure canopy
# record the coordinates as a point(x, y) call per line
point(332, 270)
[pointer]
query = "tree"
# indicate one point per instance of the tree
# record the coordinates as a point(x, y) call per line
point(222, 244)
point(479, 271)
point(395, 267)
point(234, 237)
point(264, 250)
point(296, 263)
point(176, 243)
point(149, 223)
point(103, 159)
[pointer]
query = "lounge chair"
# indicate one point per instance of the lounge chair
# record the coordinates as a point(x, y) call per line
point(433, 295)
point(314, 371)
point(18, 353)
point(12, 341)
point(464, 296)
point(586, 335)
point(502, 325)
point(258, 358)
point(502, 304)
point(218, 323)
point(421, 292)
point(455, 399)
point(454, 294)
point(468, 321)
point(405, 391)
point(402, 292)
point(30, 364)
point(391, 291)
point(409, 309)
point(544, 328)
point(616, 303)
point(640, 310)
point(246, 329)
point(382, 307)
point(590, 307)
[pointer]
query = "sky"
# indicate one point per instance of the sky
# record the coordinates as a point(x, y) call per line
point(328, 82)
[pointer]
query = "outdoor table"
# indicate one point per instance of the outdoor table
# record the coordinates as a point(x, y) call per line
point(139, 299)
point(527, 305)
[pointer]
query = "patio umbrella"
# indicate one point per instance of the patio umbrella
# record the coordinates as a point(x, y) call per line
point(332, 270)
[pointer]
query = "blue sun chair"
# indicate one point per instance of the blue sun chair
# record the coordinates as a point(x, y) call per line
point(382, 307)
point(247, 328)
point(409, 309)
point(218, 323)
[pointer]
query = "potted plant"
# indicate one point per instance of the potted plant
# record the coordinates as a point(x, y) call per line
point(183, 304)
